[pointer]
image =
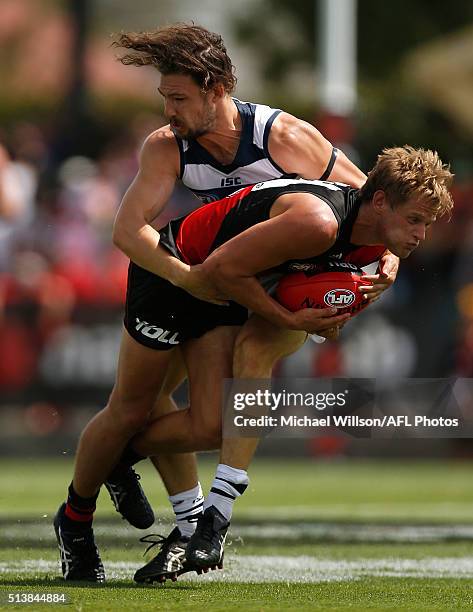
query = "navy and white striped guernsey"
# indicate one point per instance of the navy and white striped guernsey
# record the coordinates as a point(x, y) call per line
point(210, 180)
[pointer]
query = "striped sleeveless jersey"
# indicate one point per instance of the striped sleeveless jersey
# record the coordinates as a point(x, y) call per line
point(210, 180)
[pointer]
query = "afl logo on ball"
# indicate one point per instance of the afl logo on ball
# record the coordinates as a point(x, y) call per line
point(340, 298)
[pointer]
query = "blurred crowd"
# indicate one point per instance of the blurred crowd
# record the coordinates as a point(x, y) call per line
point(56, 252)
point(56, 256)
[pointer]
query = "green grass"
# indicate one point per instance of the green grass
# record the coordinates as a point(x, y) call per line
point(349, 490)
point(375, 594)
point(326, 516)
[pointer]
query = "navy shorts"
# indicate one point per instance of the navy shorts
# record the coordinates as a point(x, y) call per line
point(160, 315)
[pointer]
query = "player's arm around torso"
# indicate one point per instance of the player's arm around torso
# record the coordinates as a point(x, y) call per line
point(295, 232)
point(144, 200)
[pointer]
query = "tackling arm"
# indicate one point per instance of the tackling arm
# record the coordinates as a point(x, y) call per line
point(143, 202)
point(299, 148)
point(235, 264)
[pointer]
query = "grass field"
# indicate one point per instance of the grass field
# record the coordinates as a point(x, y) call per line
point(349, 535)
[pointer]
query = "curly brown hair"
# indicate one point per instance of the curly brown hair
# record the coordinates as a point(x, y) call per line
point(181, 49)
point(405, 172)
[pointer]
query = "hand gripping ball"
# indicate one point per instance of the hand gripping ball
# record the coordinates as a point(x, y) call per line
point(323, 290)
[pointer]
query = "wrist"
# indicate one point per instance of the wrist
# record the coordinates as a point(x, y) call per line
point(286, 320)
point(178, 274)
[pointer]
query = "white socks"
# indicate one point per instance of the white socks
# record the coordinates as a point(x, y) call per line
point(187, 507)
point(228, 484)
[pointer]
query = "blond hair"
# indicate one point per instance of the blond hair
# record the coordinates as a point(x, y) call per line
point(404, 173)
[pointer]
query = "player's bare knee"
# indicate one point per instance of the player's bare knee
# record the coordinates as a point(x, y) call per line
point(132, 421)
point(292, 342)
point(130, 414)
point(252, 355)
point(135, 421)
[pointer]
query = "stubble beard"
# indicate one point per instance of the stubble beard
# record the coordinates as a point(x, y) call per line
point(206, 125)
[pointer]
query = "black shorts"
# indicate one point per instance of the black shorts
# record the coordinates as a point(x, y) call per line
point(160, 315)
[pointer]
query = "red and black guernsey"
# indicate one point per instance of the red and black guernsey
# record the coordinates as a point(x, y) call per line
point(193, 237)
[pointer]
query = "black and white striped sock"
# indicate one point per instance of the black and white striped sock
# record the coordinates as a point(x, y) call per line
point(187, 507)
point(228, 484)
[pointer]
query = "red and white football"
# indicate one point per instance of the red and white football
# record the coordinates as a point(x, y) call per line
point(323, 290)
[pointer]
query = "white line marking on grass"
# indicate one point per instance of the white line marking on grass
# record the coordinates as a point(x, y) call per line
point(393, 509)
point(254, 568)
point(355, 532)
point(328, 532)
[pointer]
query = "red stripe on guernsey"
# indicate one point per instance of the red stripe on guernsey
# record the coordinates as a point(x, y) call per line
point(75, 516)
point(365, 255)
point(199, 228)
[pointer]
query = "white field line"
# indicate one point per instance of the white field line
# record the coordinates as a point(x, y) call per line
point(334, 532)
point(411, 510)
point(253, 568)
point(353, 532)
point(377, 511)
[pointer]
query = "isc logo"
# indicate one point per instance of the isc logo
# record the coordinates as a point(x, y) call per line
point(156, 333)
point(340, 298)
point(230, 182)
